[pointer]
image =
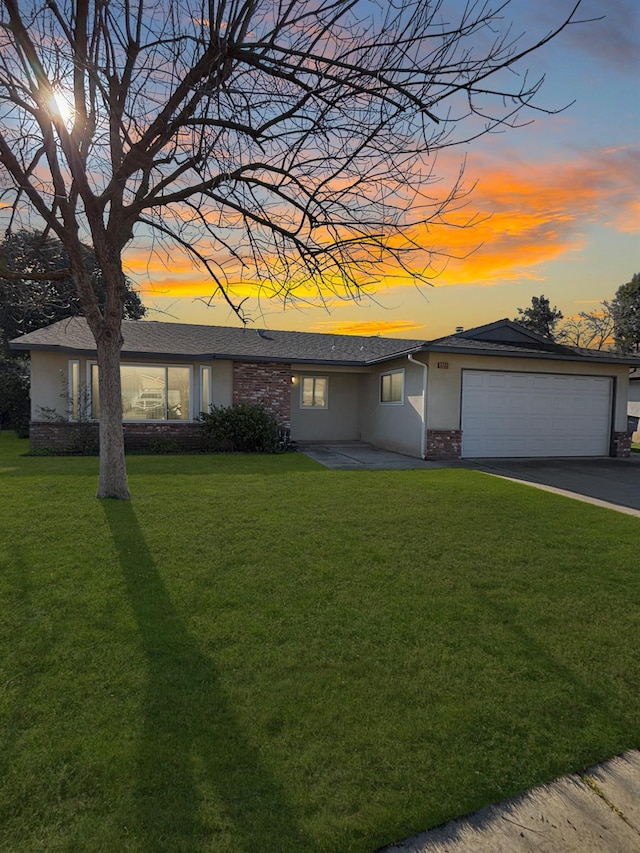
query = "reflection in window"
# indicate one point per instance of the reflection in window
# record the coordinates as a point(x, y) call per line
point(74, 390)
point(149, 392)
point(313, 392)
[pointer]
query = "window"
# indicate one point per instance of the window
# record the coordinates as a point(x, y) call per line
point(392, 387)
point(74, 390)
point(149, 392)
point(205, 389)
point(313, 392)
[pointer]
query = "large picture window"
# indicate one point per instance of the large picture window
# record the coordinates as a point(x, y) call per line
point(392, 387)
point(313, 392)
point(149, 392)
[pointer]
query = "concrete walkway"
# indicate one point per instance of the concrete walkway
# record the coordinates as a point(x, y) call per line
point(357, 456)
point(597, 811)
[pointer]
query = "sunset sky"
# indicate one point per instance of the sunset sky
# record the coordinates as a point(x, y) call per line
point(557, 205)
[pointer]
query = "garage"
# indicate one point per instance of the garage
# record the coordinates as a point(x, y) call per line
point(535, 414)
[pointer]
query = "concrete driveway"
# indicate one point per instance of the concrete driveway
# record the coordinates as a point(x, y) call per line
point(608, 481)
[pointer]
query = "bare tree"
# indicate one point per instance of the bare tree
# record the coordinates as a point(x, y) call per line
point(590, 329)
point(290, 143)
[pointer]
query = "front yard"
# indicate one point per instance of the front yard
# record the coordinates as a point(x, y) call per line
point(257, 654)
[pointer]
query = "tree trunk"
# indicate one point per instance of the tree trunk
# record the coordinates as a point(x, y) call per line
point(113, 472)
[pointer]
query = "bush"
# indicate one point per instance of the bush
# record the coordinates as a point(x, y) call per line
point(243, 428)
point(162, 447)
point(14, 395)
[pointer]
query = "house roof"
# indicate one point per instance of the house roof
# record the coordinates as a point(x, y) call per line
point(149, 338)
point(507, 338)
point(152, 338)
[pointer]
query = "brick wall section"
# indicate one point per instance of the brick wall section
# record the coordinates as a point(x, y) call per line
point(188, 436)
point(268, 384)
point(66, 437)
point(622, 444)
point(443, 444)
point(61, 436)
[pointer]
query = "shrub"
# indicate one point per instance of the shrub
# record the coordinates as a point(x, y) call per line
point(243, 428)
point(162, 446)
point(14, 395)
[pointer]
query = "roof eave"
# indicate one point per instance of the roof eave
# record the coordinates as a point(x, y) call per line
point(191, 356)
point(551, 356)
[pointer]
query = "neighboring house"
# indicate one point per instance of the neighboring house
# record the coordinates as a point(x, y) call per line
point(496, 390)
point(634, 399)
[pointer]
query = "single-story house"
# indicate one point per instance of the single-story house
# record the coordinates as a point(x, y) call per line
point(495, 390)
point(634, 399)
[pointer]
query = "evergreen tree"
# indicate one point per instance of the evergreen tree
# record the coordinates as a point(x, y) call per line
point(626, 316)
point(540, 317)
point(27, 304)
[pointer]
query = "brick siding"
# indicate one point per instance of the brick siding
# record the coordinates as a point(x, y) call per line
point(622, 444)
point(267, 384)
point(63, 437)
point(188, 436)
point(443, 444)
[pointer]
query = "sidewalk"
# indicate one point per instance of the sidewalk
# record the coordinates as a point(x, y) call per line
point(597, 811)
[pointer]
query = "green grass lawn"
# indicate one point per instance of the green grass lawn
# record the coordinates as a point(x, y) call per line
point(256, 654)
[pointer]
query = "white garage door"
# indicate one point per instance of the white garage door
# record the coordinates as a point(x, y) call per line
point(535, 414)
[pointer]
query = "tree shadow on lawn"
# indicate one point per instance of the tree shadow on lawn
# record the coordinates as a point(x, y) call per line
point(26, 662)
point(193, 756)
point(583, 719)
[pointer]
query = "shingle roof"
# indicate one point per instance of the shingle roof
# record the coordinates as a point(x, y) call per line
point(148, 337)
point(455, 343)
point(181, 340)
point(508, 338)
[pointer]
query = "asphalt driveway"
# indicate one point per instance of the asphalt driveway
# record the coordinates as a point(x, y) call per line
point(614, 481)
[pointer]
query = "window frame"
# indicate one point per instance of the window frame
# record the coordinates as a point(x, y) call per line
point(165, 366)
point(314, 377)
point(391, 402)
point(206, 375)
point(73, 390)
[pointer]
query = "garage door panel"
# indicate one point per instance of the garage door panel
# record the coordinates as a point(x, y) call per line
point(534, 414)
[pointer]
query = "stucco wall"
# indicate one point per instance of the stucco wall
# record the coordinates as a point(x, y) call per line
point(444, 392)
point(222, 382)
point(339, 421)
point(49, 383)
point(393, 427)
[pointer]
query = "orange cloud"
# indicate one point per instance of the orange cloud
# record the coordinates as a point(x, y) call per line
point(524, 215)
point(534, 213)
point(365, 327)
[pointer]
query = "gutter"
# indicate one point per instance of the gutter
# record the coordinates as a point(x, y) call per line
point(423, 427)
